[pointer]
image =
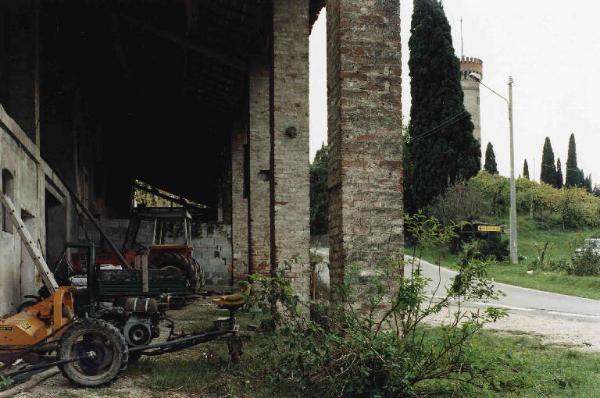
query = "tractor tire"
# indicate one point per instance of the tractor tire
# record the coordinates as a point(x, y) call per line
point(185, 264)
point(111, 354)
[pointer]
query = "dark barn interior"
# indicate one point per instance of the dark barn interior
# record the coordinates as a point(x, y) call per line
point(208, 100)
point(141, 89)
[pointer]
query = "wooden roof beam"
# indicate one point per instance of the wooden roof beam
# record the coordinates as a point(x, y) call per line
point(224, 59)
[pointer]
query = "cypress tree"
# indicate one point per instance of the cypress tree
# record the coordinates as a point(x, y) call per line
point(490, 160)
point(441, 147)
point(588, 183)
point(559, 175)
point(525, 169)
point(319, 200)
point(574, 177)
point(548, 174)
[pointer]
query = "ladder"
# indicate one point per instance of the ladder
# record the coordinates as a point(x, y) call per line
point(34, 251)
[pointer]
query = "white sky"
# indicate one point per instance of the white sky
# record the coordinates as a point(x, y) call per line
point(550, 47)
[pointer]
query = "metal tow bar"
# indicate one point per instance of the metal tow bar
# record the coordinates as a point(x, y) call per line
point(180, 343)
point(34, 368)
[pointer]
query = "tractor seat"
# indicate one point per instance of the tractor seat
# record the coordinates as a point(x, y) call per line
point(233, 301)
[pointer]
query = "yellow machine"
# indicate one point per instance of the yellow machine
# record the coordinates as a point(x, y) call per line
point(89, 352)
point(38, 322)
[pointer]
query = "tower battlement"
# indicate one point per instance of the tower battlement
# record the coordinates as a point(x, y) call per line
point(470, 65)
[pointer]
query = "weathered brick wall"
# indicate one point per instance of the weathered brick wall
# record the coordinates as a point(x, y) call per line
point(239, 204)
point(364, 94)
point(260, 148)
point(290, 159)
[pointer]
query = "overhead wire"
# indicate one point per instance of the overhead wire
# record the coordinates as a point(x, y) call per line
point(444, 124)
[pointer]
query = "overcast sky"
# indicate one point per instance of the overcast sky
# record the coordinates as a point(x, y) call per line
point(551, 48)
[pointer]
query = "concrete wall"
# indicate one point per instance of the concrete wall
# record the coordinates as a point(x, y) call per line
point(20, 157)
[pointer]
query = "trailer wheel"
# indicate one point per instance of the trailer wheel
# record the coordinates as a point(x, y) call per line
point(110, 353)
point(185, 264)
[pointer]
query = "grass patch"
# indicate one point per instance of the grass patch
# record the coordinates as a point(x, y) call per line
point(528, 368)
point(532, 234)
point(524, 367)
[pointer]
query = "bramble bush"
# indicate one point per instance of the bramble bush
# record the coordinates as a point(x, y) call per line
point(372, 338)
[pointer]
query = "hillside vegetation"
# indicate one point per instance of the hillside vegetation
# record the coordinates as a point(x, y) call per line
point(552, 224)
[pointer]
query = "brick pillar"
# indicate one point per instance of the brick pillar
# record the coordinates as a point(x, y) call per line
point(239, 204)
point(289, 157)
point(260, 149)
point(364, 101)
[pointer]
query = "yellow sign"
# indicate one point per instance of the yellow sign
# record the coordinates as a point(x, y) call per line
point(489, 228)
point(25, 325)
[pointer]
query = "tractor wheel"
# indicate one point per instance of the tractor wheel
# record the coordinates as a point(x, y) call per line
point(185, 264)
point(107, 345)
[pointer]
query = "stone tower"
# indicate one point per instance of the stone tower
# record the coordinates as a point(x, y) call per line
point(470, 87)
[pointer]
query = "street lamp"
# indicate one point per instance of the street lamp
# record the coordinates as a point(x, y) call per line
point(514, 257)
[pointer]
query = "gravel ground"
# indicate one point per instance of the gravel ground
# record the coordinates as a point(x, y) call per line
point(579, 334)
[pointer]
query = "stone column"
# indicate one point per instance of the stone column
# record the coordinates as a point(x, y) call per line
point(260, 170)
point(239, 204)
point(364, 101)
point(289, 144)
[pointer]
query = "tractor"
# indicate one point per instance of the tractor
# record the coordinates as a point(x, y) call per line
point(91, 333)
point(166, 224)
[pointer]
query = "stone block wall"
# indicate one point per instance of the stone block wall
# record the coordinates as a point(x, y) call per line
point(365, 119)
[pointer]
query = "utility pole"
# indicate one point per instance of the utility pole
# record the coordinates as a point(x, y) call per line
point(514, 256)
point(462, 40)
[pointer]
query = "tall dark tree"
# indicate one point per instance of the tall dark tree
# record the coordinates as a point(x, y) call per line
point(587, 183)
point(574, 176)
point(559, 175)
point(441, 147)
point(581, 179)
point(548, 174)
point(525, 169)
point(319, 200)
point(490, 160)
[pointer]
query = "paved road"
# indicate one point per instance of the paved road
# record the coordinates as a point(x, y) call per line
point(516, 298)
point(519, 298)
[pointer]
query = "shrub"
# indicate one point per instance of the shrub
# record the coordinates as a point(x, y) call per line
point(569, 207)
point(460, 203)
point(543, 261)
point(585, 262)
point(494, 247)
point(372, 341)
